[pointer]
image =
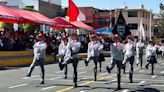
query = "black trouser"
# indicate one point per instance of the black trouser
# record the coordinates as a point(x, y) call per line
point(65, 69)
point(119, 66)
point(141, 59)
point(75, 64)
point(95, 60)
point(39, 61)
point(131, 62)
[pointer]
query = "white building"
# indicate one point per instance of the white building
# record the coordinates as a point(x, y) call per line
point(50, 8)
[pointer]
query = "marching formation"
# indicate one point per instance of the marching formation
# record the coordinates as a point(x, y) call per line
point(122, 52)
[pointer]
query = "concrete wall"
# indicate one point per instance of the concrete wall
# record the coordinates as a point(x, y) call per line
point(49, 9)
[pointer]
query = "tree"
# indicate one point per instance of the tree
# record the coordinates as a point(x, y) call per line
point(161, 24)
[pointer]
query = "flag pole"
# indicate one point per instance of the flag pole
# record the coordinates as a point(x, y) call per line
point(110, 16)
point(140, 30)
point(150, 24)
point(69, 9)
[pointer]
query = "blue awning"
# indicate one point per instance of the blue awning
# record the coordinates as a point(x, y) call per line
point(104, 30)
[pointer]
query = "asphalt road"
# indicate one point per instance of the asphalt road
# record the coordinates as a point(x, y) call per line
point(14, 80)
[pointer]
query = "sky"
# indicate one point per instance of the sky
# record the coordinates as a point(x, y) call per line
point(112, 4)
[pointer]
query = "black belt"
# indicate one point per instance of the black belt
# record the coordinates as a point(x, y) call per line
point(74, 53)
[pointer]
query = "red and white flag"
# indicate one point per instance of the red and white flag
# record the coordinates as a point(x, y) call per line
point(142, 31)
point(74, 13)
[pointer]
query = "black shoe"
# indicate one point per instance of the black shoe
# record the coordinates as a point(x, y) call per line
point(28, 75)
point(75, 85)
point(123, 66)
point(131, 81)
point(152, 73)
point(100, 70)
point(95, 79)
point(118, 88)
point(146, 66)
point(65, 77)
point(42, 82)
point(107, 68)
point(86, 62)
point(61, 66)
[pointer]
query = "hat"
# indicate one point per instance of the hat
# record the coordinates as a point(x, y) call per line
point(74, 34)
point(64, 37)
point(116, 37)
point(41, 36)
point(93, 36)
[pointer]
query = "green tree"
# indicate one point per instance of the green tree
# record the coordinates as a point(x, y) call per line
point(161, 24)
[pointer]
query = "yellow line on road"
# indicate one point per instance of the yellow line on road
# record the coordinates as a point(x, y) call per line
point(89, 82)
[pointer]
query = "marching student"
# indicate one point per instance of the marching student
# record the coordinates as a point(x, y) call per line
point(129, 53)
point(61, 54)
point(117, 58)
point(139, 51)
point(71, 55)
point(162, 49)
point(94, 48)
point(151, 56)
point(39, 55)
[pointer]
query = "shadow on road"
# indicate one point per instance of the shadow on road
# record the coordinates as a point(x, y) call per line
point(146, 90)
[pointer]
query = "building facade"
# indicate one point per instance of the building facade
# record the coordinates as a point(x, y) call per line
point(99, 18)
point(133, 18)
point(50, 8)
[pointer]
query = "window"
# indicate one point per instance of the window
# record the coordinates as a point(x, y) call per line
point(102, 21)
point(30, 7)
point(133, 26)
point(132, 13)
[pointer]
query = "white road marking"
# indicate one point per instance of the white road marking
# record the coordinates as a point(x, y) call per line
point(55, 78)
point(154, 76)
point(157, 85)
point(59, 71)
point(82, 91)
point(162, 72)
point(141, 71)
point(103, 73)
point(46, 88)
point(81, 72)
point(30, 77)
point(81, 68)
point(113, 80)
point(162, 63)
point(141, 83)
point(84, 78)
point(126, 90)
point(18, 85)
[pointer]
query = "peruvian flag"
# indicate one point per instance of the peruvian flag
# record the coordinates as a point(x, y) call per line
point(74, 13)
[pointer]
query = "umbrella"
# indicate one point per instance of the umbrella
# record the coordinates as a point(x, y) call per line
point(104, 30)
point(8, 15)
point(62, 23)
point(34, 17)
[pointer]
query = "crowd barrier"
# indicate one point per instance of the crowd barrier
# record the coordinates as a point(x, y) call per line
point(19, 58)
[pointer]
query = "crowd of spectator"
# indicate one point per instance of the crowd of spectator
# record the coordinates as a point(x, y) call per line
point(21, 40)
